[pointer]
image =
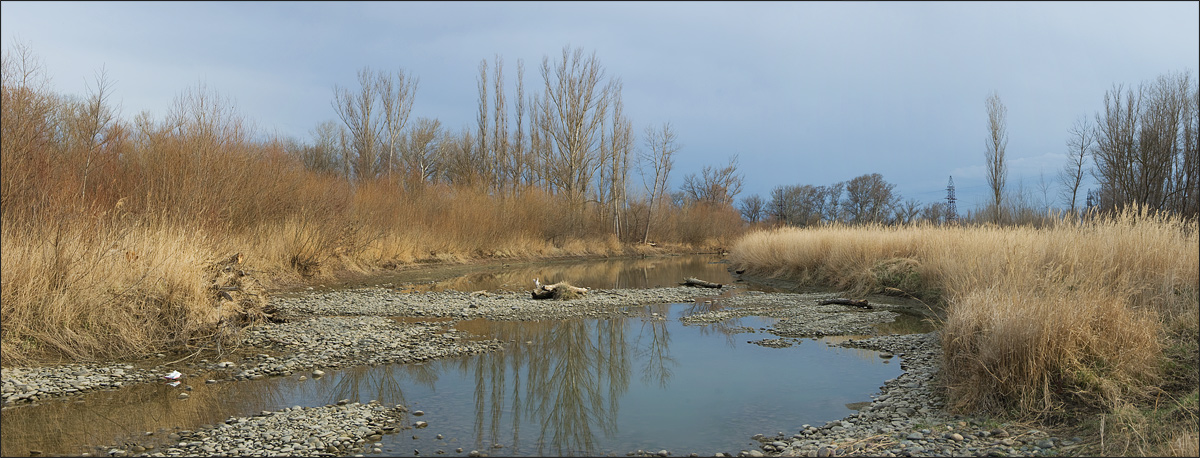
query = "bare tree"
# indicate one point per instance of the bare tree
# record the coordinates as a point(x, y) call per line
point(997, 171)
point(522, 169)
point(798, 205)
point(661, 143)
point(936, 212)
point(419, 152)
point(480, 158)
point(93, 118)
point(456, 153)
point(358, 112)
point(833, 198)
point(396, 96)
point(1146, 145)
point(615, 159)
point(1079, 144)
point(573, 107)
point(714, 186)
point(869, 199)
point(499, 138)
point(752, 208)
point(908, 211)
point(1043, 187)
point(324, 155)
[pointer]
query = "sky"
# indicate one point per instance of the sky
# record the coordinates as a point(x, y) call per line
point(802, 92)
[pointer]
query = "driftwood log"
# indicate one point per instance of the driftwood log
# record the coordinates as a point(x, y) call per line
point(844, 301)
point(558, 291)
point(696, 282)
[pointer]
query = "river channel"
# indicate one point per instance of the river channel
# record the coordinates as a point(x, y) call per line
point(582, 386)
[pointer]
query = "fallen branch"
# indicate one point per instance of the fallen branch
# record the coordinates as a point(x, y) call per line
point(696, 282)
point(559, 291)
point(844, 301)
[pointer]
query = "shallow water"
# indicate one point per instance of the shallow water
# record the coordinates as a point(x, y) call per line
point(611, 386)
point(560, 387)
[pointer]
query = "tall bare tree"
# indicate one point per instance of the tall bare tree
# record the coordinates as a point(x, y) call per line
point(997, 170)
point(480, 158)
point(662, 145)
point(522, 168)
point(500, 152)
point(396, 97)
point(358, 111)
point(615, 160)
point(573, 107)
point(1079, 144)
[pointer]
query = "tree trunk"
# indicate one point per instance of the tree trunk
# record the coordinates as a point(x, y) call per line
point(696, 282)
point(843, 301)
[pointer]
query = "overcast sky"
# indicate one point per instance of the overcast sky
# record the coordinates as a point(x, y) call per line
point(804, 92)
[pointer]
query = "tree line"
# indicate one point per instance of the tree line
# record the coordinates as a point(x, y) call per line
point(569, 136)
point(1141, 150)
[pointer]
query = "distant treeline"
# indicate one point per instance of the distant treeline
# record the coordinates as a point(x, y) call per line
point(1141, 150)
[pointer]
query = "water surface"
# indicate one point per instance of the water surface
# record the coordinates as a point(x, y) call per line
point(559, 387)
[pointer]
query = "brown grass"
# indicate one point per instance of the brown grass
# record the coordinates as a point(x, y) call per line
point(1074, 313)
point(109, 246)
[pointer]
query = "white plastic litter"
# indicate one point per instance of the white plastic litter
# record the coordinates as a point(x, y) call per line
point(173, 383)
point(174, 375)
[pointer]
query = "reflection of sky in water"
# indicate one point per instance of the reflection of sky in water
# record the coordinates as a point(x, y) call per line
point(580, 387)
point(614, 386)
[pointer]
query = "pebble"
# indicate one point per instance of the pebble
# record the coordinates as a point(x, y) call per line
point(905, 418)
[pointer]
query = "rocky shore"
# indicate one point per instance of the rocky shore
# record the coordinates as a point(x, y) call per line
point(347, 328)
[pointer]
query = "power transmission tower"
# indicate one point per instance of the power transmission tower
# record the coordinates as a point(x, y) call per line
point(951, 207)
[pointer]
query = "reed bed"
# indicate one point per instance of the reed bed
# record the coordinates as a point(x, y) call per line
point(1075, 313)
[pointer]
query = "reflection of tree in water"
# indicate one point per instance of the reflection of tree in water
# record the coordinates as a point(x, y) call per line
point(657, 353)
point(730, 327)
point(567, 384)
point(568, 381)
point(351, 381)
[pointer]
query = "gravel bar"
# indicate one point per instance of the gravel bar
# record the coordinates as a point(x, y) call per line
point(345, 328)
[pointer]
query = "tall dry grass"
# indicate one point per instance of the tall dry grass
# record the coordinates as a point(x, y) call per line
point(1034, 318)
point(110, 235)
point(95, 287)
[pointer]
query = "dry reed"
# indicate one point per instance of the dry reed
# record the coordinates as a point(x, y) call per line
point(1034, 318)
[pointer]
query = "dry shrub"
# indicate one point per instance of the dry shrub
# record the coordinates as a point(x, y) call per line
point(109, 233)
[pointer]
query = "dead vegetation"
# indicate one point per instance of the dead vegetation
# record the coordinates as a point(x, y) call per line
point(117, 233)
point(1078, 316)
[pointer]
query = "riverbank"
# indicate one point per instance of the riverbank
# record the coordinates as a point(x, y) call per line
point(1088, 324)
point(342, 329)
